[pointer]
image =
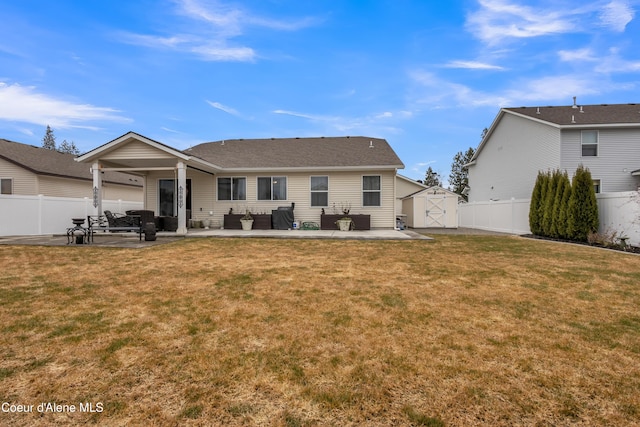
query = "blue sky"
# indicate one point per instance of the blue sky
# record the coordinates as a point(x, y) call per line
point(428, 76)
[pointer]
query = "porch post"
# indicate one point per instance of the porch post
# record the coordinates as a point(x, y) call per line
point(182, 198)
point(97, 189)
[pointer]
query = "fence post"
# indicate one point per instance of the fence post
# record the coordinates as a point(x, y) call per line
point(40, 216)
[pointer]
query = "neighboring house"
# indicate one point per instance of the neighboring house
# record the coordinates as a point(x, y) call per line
point(431, 207)
point(209, 179)
point(522, 141)
point(30, 171)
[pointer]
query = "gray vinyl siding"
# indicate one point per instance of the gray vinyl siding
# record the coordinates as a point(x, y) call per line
point(618, 155)
point(509, 162)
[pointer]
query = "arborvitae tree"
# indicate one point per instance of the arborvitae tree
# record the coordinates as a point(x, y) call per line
point(583, 206)
point(534, 208)
point(49, 139)
point(459, 176)
point(563, 212)
point(547, 209)
point(431, 178)
point(68, 147)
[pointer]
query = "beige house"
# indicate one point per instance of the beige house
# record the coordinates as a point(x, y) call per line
point(211, 179)
point(30, 171)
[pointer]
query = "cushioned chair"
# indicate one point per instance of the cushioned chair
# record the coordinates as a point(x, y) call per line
point(120, 220)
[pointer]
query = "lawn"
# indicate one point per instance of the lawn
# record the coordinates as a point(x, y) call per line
point(462, 331)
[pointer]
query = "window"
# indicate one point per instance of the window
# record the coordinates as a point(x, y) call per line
point(6, 186)
point(272, 188)
point(589, 143)
point(371, 190)
point(320, 191)
point(596, 186)
point(232, 189)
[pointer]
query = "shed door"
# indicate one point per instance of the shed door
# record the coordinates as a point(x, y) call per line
point(435, 210)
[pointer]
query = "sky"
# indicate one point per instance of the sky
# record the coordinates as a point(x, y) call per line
point(426, 75)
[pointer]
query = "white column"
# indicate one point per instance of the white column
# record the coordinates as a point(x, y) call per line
point(182, 198)
point(97, 189)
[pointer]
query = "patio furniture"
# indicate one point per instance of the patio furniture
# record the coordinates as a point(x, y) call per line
point(77, 232)
point(114, 222)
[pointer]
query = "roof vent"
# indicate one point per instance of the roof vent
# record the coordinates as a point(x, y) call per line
point(581, 110)
point(538, 110)
point(222, 142)
point(575, 106)
point(573, 119)
point(370, 144)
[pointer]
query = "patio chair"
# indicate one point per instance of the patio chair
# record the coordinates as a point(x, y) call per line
point(120, 220)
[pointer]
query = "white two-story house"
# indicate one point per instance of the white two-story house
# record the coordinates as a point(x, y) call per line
point(522, 141)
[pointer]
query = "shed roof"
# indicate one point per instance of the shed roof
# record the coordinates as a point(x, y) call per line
point(42, 161)
point(299, 153)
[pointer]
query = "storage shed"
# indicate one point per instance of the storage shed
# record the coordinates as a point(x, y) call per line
point(434, 207)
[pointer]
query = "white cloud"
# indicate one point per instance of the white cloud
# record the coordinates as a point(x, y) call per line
point(473, 65)
point(585, 54)
point(24, 104)
point(441, 93)
point(224, 108)
point(370, 125)
point(497, 20)
point(213, 40)
point(616, 15)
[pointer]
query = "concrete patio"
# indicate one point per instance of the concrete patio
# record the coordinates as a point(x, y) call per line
point(131, 240)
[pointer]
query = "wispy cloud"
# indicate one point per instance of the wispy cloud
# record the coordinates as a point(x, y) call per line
point(374, 124)
point(473, 65)
point(224, 108)
point(585, 54)
point(441, 93)
point(616, 15)
point(499, 20)
point(213, 41)
point(25, 104)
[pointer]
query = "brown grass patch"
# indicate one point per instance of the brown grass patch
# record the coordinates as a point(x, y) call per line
point(461, 331)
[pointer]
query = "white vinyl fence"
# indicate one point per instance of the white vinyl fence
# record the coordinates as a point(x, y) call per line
point(619, 212)
point(34, 215)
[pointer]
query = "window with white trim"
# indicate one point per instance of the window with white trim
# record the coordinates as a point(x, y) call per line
point(589, 143)
point(232, 188)
point(272, 188)
point(320, 191)
point(371, 190)
point(6, 186)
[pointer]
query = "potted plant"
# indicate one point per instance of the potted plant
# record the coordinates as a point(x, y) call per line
point(247, 220)
point(345, 223)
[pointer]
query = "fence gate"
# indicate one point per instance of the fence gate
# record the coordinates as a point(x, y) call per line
point(435, 210)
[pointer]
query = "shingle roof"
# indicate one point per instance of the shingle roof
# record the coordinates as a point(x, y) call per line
point(322, 152)
point(584, 114)
point(49, 162)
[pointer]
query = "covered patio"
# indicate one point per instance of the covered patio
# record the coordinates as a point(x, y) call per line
point(137, 155)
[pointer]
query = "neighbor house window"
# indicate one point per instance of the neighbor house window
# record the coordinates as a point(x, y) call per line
point(371, 190)
point(596, 186)
point(320, 191)
point(272, 188)
point(589, 143)
point(232, 188)
point(6, 186)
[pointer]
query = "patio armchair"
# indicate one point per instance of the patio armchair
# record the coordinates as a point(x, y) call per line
point(120, 220)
